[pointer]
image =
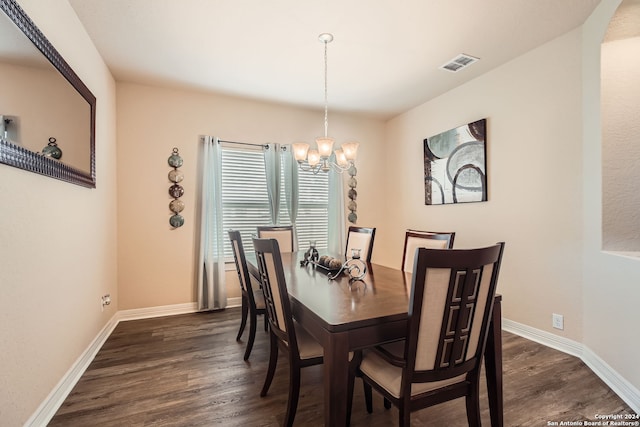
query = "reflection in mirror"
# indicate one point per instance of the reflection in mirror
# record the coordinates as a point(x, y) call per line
point(47, 115)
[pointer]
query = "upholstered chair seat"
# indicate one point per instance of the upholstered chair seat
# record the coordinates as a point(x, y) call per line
point(389, 376)
point(308, 347)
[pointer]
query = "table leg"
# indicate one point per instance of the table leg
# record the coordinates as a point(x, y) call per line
point(336, 376)
point(493, 365)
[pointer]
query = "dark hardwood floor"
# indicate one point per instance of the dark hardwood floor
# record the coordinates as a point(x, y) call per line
point(188, 370)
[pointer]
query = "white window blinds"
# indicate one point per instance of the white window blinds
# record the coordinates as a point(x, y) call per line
point(245, 202)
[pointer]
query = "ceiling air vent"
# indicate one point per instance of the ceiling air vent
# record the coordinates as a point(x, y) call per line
point(458, 63)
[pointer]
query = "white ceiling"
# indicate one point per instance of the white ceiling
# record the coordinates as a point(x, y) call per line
point(383, 61)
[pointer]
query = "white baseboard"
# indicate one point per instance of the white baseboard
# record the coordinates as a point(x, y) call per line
point(234, 302)
point(619, 385)
point(548, 339)
point(151, 312)
point(55, 399)
point(168, 310)
point(625, 390)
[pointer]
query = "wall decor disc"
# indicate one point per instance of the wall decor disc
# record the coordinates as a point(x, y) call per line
point(176, 206)
point(176, 176)
point(52, 150)
point(176, 191)
point(176, 221)
point(175, 160)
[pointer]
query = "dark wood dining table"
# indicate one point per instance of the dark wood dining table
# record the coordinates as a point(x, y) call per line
point(346, 316)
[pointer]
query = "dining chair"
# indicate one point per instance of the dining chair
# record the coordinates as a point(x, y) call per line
point(284, 234)
point(450, 306)
point(414, 239)
point(252, 297)
point(360, 238)
point(285, 333)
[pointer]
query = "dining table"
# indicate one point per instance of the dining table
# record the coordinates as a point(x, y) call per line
point(346, 315)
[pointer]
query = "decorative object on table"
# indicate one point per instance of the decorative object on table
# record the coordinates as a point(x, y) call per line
point(52, 150)
point(353, 195)
point(319, 160)
point(455, 166)
point(176, 191)
point(311, 255)
point(354, 266)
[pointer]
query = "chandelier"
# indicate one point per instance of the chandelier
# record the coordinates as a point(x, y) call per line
point(317, 160)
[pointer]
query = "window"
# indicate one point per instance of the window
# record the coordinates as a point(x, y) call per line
point(246, 205)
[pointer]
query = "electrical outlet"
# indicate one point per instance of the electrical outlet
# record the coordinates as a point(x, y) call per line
point(558, 321)
point(105, 300)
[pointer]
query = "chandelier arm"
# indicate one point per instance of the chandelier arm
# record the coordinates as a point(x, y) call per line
point(340, 169)
point(305, 167)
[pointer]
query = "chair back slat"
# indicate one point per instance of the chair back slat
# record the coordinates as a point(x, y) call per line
point(415, 239)
point(450, 307)
point(274, 288)
point(360, 238)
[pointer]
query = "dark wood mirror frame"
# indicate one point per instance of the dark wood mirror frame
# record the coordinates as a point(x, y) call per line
point(22, 158)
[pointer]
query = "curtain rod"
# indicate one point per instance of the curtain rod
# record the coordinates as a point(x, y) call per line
point(244, 143)
point(265, 146)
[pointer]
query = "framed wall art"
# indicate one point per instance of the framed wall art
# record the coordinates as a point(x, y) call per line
point(455, 165)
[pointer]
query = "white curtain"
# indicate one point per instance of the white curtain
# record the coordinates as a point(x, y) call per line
point(291, 192)
point(212, 292)
point(272, 171)
point(337, 219)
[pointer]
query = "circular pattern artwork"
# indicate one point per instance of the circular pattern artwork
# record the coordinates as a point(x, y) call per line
point(176, 191)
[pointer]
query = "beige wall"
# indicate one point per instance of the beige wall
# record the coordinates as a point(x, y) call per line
point(157, 263)
point(57, 244)
point(534, 141)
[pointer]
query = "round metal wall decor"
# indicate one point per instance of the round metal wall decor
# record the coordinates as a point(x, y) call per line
point(176, 176)
point(176, 206)
point(353, 195)
point(176, 191)
point(175, 160)
point(52, 150)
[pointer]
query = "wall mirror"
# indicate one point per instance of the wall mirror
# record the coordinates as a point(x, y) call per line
point(47, 114)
